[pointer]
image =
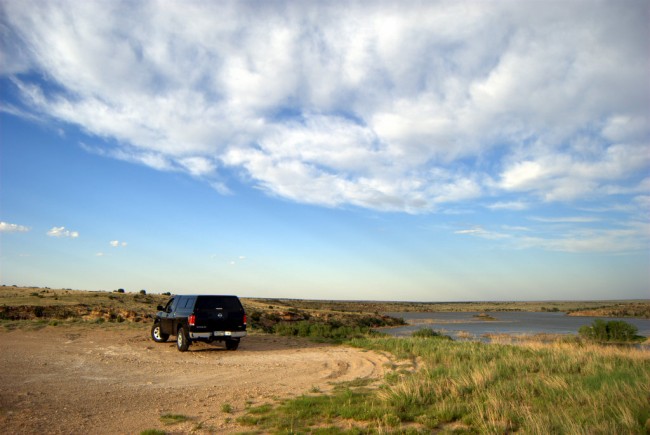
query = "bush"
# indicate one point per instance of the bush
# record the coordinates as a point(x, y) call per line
point(169, 419)
point(430, 333)
point(613, 330)
point(39, 311)
point(143, 292)
point(333, 331)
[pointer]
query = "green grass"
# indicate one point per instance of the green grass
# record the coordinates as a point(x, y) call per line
point(476, 387)
point(325, 332)
point(430, 333)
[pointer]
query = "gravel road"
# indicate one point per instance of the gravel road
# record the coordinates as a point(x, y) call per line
point(69, 380)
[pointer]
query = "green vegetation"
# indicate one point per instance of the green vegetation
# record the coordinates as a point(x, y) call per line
point(30, 303)
point(430, 333)
point(226, 408)
point(173, 418)
point(611, 331)
point(639, 308)
point(153, 432)
point(477, 387)
point(614, 309)
point(332, 332)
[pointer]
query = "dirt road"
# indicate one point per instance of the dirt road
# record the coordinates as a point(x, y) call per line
point(72, 380)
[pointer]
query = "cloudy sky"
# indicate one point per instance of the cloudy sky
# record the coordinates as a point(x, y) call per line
point(434, 151)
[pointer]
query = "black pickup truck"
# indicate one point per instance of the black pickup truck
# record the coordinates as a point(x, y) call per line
point(200, 318)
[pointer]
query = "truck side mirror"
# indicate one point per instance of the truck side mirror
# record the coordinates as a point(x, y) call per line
point(160, 308)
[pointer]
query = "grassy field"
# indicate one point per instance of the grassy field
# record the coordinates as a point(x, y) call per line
point(558, 385)
point(564, 387)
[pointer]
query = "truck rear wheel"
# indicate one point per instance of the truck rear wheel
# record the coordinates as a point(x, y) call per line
point(182, 340)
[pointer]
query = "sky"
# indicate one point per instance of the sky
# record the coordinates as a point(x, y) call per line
point(368, 150)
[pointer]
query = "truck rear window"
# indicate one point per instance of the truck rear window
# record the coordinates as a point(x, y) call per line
point(226, 303)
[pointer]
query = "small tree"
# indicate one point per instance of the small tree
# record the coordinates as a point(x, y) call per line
point(143, 292)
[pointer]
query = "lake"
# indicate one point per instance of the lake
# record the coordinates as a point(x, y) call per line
point(510, 322)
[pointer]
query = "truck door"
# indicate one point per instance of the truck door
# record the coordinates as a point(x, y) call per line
point(167, 318)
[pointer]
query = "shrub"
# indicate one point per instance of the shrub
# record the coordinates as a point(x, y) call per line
point(613, 330)
point(143, 292)
point(333, 331)
point(173, 418)
point(430, 333)
point(39, 311)
point(256, 316)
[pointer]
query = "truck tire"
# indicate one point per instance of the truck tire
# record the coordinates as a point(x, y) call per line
point(182, 340)
point(157, 335)
point(232, 344)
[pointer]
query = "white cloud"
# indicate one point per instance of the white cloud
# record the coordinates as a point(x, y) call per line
point(562, 177)
point(633, 237)
point(197, 166)
point(565, 219)
point(630, 237)
point(62, 232)
point(390, 107)
point(509, 205)
point(482, 233)
point(6, 227)
point(117, 243)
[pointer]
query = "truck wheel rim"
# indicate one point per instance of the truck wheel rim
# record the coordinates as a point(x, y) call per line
point(156, 333)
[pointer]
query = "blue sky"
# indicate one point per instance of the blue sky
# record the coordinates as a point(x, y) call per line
point(426, 151)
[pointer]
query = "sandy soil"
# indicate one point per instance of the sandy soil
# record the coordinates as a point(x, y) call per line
point(71, 380)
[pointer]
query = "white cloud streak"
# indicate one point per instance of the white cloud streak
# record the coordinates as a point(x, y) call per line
point(6, 227)
point(628, 237)
point(405, 107)
point(61, 232)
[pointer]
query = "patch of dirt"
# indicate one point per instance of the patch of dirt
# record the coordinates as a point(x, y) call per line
point(110, 381)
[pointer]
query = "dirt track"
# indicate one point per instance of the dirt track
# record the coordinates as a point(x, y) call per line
point(89, 380)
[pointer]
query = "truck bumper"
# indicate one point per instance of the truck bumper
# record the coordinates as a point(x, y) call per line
point(218, 334)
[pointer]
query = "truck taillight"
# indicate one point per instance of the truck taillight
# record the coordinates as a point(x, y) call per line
point(244, 319)
point(192, 319)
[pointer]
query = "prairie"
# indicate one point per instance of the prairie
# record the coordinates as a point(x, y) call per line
point(561, 387)
point(427, 384)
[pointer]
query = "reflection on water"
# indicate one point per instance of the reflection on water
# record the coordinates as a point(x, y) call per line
point(471, 325)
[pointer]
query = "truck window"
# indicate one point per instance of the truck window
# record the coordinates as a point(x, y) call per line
point(226, 303)
point(190, 302)
point(174, 303)
point(168, 307)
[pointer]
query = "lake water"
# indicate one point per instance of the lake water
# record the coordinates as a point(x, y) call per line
point(511, 322)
